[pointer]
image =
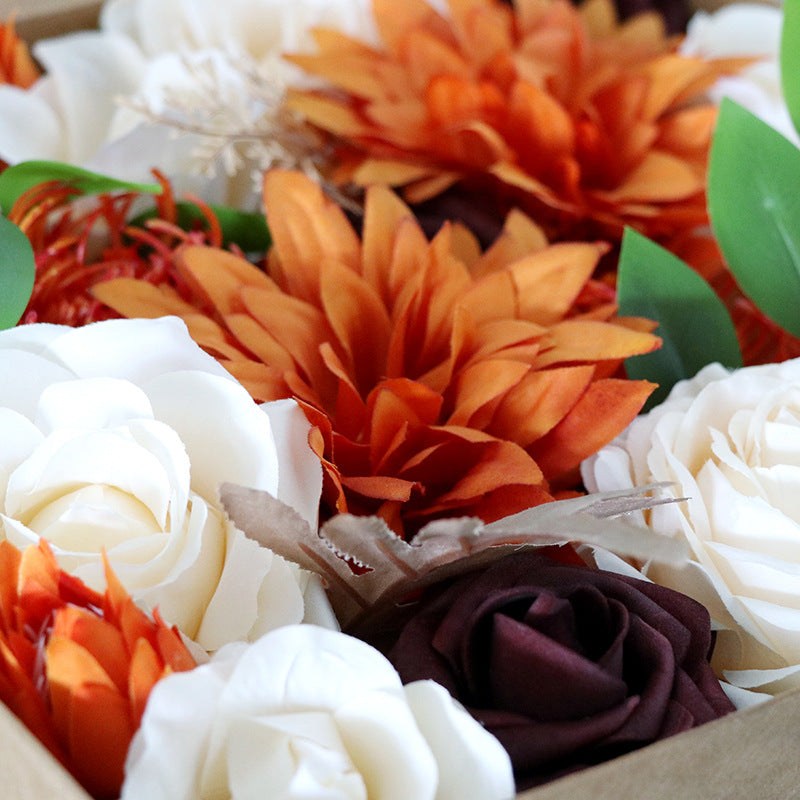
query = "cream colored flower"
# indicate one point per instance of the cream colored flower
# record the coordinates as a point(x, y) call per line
point(306, 712)
point(730, 443)
point(170, 84)
point(116, 436)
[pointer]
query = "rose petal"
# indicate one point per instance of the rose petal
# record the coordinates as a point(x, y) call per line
point(471, 762)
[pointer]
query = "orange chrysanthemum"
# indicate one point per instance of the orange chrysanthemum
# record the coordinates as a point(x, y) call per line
point(16, 64)
point(76, 666)
point(588, 124)
point(440, 380)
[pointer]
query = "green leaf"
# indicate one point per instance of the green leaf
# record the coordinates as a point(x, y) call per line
point(17, 272)
point(246, 229)
point(693, 322)
point(754, 204)
point(16, 180)
point(790, 58)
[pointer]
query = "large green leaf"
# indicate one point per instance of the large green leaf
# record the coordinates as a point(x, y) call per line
point(17, 272)
point(694, 324)
point(790, 58)
point(16, 180)
point(246, 229)
point(754, 204)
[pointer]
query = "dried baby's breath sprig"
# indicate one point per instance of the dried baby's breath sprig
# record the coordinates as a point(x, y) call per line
point(389, 568)
point(235, 107)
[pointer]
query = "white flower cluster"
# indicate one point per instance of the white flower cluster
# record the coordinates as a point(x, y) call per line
point(194, 84)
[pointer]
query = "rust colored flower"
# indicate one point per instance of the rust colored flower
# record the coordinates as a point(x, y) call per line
point(440, 380)
point(16, 64)
point(77, 666)
point(586, 123)
point(78, 246)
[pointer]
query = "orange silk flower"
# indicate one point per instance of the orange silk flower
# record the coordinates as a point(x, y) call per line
point(440, 380)
point(66, 236)
point(16, 64)
point(77, 666)
point(586, 123)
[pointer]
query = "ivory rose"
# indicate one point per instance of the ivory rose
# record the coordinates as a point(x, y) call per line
point(730, 444)
point(306, 712)
point(116, 437)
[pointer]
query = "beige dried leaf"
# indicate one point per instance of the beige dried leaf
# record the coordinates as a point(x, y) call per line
point(389, 568)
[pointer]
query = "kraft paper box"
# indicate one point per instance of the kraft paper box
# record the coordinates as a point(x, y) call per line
point(750, 755)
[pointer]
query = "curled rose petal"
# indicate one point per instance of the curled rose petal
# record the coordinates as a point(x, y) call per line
point(264, 720)
point(118, 436)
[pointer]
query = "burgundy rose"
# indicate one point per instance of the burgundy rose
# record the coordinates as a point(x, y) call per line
point(568, 666)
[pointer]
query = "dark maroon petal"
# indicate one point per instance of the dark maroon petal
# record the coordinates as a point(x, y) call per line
point(414, 657)
point(534, 744)
point(555, 618)
point(613, 660)
point(689, 695)
point(533, 675)
point(677, 720)
point(566, 665)
point(691, 647)
point(650, 669)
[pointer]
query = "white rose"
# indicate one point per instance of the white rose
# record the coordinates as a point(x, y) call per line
point(730, 442)
point(116, 436)
point(747, 30)
point(306, 712)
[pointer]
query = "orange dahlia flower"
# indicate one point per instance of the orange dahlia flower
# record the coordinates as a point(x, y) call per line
point(440, 380)
point(586, 123)
point(76, 666)
point(16, 64)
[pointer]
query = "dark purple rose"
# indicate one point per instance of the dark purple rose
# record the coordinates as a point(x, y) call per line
point(568, 666)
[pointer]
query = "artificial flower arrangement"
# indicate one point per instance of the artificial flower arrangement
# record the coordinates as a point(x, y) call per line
point(314, 520)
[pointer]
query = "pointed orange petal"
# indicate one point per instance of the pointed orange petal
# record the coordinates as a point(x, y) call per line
point(350, 409)
point(359, 320)
point(306, 228)
point(134, 298)
point(299, 328)
point(603, 411)
point(219, 275)
point(380, 487)
point(394, 19)
point(328, 114)
point(538, 403)
point(500, 464)
point(351, 73)
point(92, 717)
point(384, 213)
point(391, 173)
point(520, 237)
point(541, 122)
point(146, 669)
point(261, 382)
point(98, 637)
point(259, 342)
point(670, 75)
point(548, 282)
point(587, 341)
point(660, 178)
point(481, 388)
point(10, 560)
